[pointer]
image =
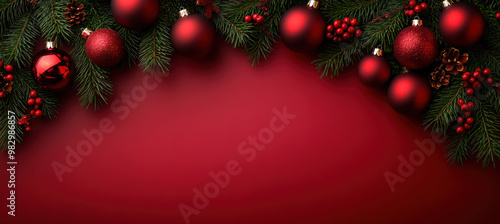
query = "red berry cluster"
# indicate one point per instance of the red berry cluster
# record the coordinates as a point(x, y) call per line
point(343, 30)
point(466, 121)
point(258, 21)
point(413, 8)
point(264, 6)
point(476, 80)
point(5, 79)
point(34, 104)
point(497, 15)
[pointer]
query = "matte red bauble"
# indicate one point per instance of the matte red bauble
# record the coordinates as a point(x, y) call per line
point(135, 14)
point(105, 47)
point(409, 94)
point(193, 35)
point(302, 28)
point(374, 70)
point(52, 68)
point(461, 24)
point(416, 47)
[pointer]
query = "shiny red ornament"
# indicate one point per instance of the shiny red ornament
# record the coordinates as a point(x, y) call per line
point(409, 94)
point(374, 70)
point(52, 68)
point(416, 47)
point(193, 35)
point(302, 28)
point(105, 47)
point(461, 24)
point(135, 14)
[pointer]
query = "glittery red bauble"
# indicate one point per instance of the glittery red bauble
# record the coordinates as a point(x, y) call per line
point(409, 94)
point(374, 71)
point(135, 14)
point(52, 69)
point(105, 47)
point(461, 24)
point(193, 36)
point(416, 47)
point(302, 29)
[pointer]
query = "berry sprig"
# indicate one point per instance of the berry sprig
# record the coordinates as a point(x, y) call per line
point(413, 8)
point(467, 120)
point(6, 78)
point(480, 78)
point(343, 30)
point(34, 105)
point(264, 6)
point(258, 21)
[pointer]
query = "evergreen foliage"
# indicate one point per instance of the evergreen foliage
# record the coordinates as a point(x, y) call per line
point(24, 23)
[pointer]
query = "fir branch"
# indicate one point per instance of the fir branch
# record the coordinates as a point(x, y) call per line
point(53, 24)
point(11, 11)
point(486, 135)
point(16, 102)
point(92, 81)
point(155, 48)
point(443, 111)
point(458, 149)
point(335, 57)
point(131, 40)
point(18, 47)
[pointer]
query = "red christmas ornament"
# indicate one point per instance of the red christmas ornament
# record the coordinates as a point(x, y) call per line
point(104, 47)
point(409, 94)
point(192, 35)
point(52, 68)
point(135, 14)
point(302, 28)
point(461, 24)
point(416, 47)
point(374, 70)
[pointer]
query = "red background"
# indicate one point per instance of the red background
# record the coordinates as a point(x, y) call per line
point(327, 165)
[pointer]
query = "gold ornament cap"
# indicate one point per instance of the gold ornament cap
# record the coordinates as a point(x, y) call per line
point(417, 21)
point(446, 3)
point(378, 51)
point(405, 70)
point(183, 12)
point(50, 45)
point(86, 33)
point(313, 4)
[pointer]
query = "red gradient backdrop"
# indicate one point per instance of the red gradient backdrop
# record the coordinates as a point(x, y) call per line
point(326, 166)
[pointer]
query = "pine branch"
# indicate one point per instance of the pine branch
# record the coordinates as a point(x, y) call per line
point(92, 81)
point(53, 24)
point(11, 11)
point(18, 47)
point(16, 101)
point(443, 110)
point(155, 48)
point(486, 135)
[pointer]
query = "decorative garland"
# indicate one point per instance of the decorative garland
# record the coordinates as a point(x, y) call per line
point(441, 58)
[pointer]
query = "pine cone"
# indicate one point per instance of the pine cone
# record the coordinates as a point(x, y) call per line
point(74, 13)
point(454, 61)
point(439, 77)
